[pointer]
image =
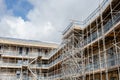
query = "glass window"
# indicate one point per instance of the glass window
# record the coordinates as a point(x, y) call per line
point(27, 50)
point(19, 62)
point(113, 78)
point(18, 74)
point(20, 50)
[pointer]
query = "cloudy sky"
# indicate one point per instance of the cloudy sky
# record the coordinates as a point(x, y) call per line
point(42, 20)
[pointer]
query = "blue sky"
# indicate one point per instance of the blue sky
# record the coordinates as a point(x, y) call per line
point(19, 7)
point(42, 20)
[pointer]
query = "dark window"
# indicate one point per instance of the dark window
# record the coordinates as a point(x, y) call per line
point(94, 35)
point(0, 47)
point(27, 50)
point(110, 51)
point(100, 32)
point(46, 51)
point(20, 50)
point(113, 78)
point(39, 64)
point(18, 74)
point(39, 50)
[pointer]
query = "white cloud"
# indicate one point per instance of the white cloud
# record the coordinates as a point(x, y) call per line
point(18, 28)
point(46, 20)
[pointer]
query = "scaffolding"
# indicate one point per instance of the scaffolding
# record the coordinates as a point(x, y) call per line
point(89, 53)
point(99, 52)
point(70, 53)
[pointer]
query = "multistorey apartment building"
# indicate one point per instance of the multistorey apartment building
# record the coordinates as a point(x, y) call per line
point(90, 50)
point(21, 59)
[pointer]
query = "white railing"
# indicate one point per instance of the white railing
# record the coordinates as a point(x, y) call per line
point(13, 63)
point(14, 77)
point(3, 64)
point(16, 54)
point(30, 54)
point(8, 77)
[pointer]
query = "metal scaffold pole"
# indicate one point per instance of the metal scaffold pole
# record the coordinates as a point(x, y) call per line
point(70, 55)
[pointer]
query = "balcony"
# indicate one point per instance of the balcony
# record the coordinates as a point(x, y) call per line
point(111, 62)
point(14, 77)
point(11, 65)
point(106, 28)
point(9, 53)
point(20, 63)
point(8, 77)
point(45, 66)
point(55, 62)
point(55, 76)
point(16, 54)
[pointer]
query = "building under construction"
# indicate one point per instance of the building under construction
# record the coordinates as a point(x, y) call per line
point(90, 52)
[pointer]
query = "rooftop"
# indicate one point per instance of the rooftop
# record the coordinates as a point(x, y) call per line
point(25, 42)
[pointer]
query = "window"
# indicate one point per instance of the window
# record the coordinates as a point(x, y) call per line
point(20, 50)
point(25, 62)
point(108, 25)
point(46, 51)
point(0, 47)
point(113, 78)
point(111, 57)
point(27, 50)
point(39, 52)
point(100, 32)
point(110, 51)
point(39, 64)
point(18, 74)
point(94, 35)
point(19, 62)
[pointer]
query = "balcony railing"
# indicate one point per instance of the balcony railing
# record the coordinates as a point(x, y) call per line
point(8, 64)
point(111, 62)
point(30, 54)
point(19, 63)
point(14, 77)
point(16, 54)
point(8, 77)
point(106, 27)
point(96, 66)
